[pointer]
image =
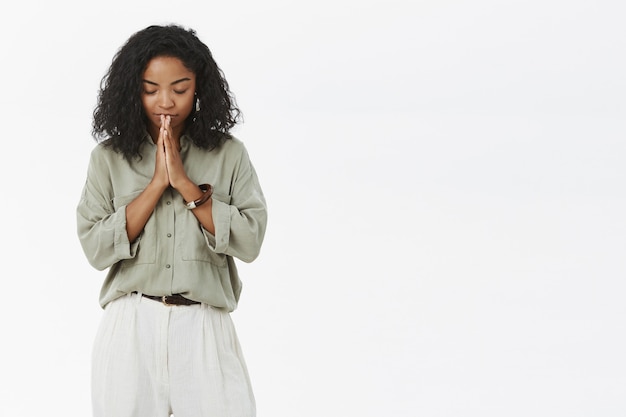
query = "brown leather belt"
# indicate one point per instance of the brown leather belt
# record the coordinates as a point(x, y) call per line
point(172, 300)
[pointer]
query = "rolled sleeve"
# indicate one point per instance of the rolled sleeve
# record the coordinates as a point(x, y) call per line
point(122, 247)
point(104, 239)
point(221, 220)
point(101, 224)
point(240, 219)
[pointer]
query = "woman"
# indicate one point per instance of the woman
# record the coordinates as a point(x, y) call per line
point(171, 198)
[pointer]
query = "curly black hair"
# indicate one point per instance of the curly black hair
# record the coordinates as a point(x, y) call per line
point(118, 118)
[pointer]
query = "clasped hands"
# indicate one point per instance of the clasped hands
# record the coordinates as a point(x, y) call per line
point(169, 169)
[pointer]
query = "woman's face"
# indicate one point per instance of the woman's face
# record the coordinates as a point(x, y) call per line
point(168, 89)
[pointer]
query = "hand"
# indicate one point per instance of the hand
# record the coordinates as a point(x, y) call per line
point(173, 162)
point(161, 177)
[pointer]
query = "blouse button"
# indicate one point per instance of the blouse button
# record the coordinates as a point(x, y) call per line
point(167, 266)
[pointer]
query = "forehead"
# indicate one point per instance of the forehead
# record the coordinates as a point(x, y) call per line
point(166, 68)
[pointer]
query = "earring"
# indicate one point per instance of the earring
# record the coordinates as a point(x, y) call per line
point(197, 104)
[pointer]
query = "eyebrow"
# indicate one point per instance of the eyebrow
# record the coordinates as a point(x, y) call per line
point(172, 83)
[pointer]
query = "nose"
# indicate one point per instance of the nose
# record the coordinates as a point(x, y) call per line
point(165, 100)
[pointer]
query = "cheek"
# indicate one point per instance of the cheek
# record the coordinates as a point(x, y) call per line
point(188, 106)
point(145, 101)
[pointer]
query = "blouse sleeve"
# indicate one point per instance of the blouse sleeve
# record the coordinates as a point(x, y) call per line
point(241, 218)
point(101, 224)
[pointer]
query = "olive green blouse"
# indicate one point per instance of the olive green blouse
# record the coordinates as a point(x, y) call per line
point(174, 254)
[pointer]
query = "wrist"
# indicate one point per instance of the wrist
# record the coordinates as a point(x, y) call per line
point(159, 185)
point(207, 192)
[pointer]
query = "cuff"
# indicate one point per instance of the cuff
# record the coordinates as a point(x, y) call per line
point(221, 219)
point(122, 246)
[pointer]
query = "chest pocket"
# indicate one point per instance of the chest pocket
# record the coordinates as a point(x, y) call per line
point(198, 242)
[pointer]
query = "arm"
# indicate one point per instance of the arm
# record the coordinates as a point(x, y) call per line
point(233, 224)
point(235, 227)
point(139, 210)
point(179, 180)
point(204, 213)
point(240, 219)
point(108, 223)
point(101, 222)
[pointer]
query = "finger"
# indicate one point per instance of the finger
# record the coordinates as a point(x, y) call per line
point(160, 139)
point(166, 139)
point(168, 125)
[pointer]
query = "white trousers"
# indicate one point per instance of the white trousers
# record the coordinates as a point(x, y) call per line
point(152, 360)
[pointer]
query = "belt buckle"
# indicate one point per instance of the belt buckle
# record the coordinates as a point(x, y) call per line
point(164, 301)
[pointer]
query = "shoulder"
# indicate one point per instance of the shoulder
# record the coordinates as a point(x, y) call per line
point(233, 144)
point(107, 151)
point(105, 160)
point(231, 148)
point(102, 152)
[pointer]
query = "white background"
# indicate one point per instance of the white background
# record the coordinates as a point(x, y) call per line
point(446, 194)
